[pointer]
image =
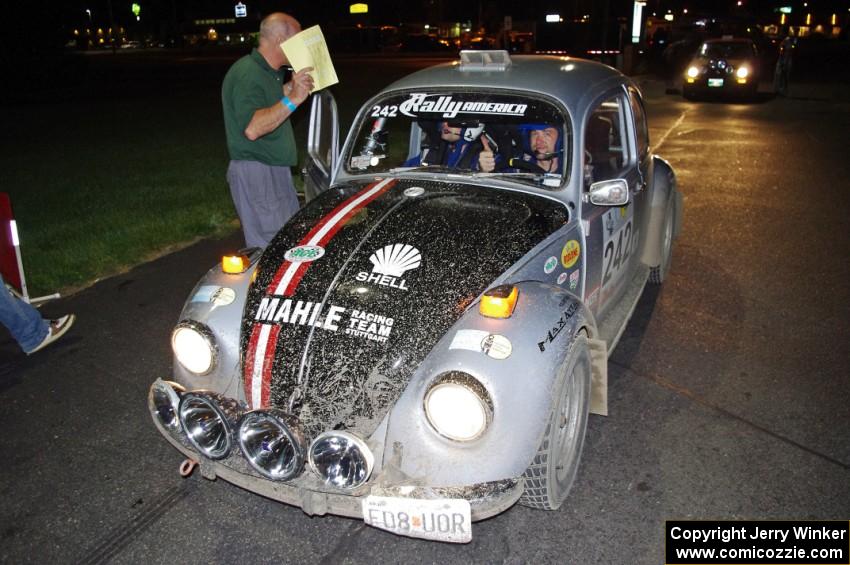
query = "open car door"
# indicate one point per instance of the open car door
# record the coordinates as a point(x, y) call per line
point(322, 145)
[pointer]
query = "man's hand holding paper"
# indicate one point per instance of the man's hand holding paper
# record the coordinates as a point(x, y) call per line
point(300, 86)
point(307, 51)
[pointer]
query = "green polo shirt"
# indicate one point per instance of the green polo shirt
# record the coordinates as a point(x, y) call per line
point(249, 85)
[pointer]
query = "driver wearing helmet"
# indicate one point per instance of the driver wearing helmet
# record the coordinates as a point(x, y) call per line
point(542, 150)
point(458, 147)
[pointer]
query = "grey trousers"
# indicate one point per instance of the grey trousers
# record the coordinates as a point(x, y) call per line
point(264, 197)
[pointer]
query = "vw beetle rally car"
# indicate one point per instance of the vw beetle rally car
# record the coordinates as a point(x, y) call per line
point(421, 344)
point(723, 66)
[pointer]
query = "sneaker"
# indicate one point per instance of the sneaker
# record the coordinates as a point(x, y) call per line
point(56, 329)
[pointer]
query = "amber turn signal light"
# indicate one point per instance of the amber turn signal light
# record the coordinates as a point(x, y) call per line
point(499, 302)
point(234, 264)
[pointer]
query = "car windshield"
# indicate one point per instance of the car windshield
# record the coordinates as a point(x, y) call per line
point(464, 133)
point(730, 50)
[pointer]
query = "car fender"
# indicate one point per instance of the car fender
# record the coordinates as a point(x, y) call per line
point(663, 190)
point(540, 331)
point(217, 302)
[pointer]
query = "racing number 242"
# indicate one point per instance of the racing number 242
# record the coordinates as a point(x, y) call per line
point(617, 255)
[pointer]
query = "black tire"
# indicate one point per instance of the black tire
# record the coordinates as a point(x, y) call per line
point(658, 273)
point(552, 471)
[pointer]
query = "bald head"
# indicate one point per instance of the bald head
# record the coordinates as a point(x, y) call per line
point(274, 30)
point(278, 25)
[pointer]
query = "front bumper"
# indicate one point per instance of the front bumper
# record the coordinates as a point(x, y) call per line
point(315, 498)
point(730, 84)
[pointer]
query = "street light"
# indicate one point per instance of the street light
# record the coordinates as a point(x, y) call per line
point(89, 13)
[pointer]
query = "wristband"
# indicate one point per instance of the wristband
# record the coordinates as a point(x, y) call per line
point(288, 103)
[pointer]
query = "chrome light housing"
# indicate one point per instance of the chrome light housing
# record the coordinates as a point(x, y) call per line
point(272, 443)
point(163, 401)
point(208, 418)
point(341, 459)
point(458, 406)
point(195, 346)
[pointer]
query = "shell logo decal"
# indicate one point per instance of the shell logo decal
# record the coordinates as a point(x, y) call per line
point(394, 260)
point(570, 253)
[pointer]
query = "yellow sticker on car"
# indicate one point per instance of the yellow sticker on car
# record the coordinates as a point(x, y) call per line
point(570, 253)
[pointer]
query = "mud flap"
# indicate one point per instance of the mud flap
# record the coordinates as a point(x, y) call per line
point(599, 380)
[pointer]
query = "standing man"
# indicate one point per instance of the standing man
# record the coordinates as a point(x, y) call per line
point(257, 106)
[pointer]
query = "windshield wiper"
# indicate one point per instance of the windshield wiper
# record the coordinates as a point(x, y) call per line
point(427, 169)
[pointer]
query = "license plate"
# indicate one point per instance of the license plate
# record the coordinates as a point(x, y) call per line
point(715, 82)
point(447, 519)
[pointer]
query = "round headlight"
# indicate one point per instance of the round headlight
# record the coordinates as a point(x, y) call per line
point(693, 71)
point(458, 407)
point(742, 72)
point(207, 418)
point(272, 444)
point(163, 400)
point(194, 346)
point(341, 459)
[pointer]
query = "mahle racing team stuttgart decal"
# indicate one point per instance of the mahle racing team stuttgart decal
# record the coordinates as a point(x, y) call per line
point(389, 264)
point(277, 310)
point(262, 343)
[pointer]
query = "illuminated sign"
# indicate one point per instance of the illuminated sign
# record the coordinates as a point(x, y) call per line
point(136, 9)
point(637, 17)
point(785, 9)
point(358, 9)
point(241, 10)
point(553, 18)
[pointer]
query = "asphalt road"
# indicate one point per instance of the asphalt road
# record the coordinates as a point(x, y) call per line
point(728, 392)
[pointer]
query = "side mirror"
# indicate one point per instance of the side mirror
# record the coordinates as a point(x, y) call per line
point(609, 193)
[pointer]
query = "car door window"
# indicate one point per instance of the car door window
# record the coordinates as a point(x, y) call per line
point(605, 151)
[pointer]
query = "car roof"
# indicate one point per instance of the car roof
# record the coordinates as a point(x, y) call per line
point(575, 82)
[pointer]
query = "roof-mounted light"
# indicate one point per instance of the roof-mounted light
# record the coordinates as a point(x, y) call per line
point(484, 60)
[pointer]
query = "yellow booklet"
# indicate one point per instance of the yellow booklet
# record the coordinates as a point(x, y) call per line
point(308, 49)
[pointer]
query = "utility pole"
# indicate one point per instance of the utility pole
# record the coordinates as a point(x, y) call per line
point(111, 26)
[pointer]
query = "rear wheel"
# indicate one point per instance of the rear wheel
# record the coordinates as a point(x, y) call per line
point(659, 273)
point(549, 477)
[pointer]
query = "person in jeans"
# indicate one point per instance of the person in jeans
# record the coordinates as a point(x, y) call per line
point(26, 325)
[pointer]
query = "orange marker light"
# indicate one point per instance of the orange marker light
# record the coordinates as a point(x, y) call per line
point(499, 302)
point(234, 264)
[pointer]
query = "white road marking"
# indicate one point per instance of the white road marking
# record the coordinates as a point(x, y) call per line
point(676, 124)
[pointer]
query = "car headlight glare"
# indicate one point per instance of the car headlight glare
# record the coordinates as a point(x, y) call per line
point(208, 419)
point(271, 441)
point(693, 71)
point(163, 401)
point(194, 346)
point(742, 72)
point(458, 407)
point(341, 459)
